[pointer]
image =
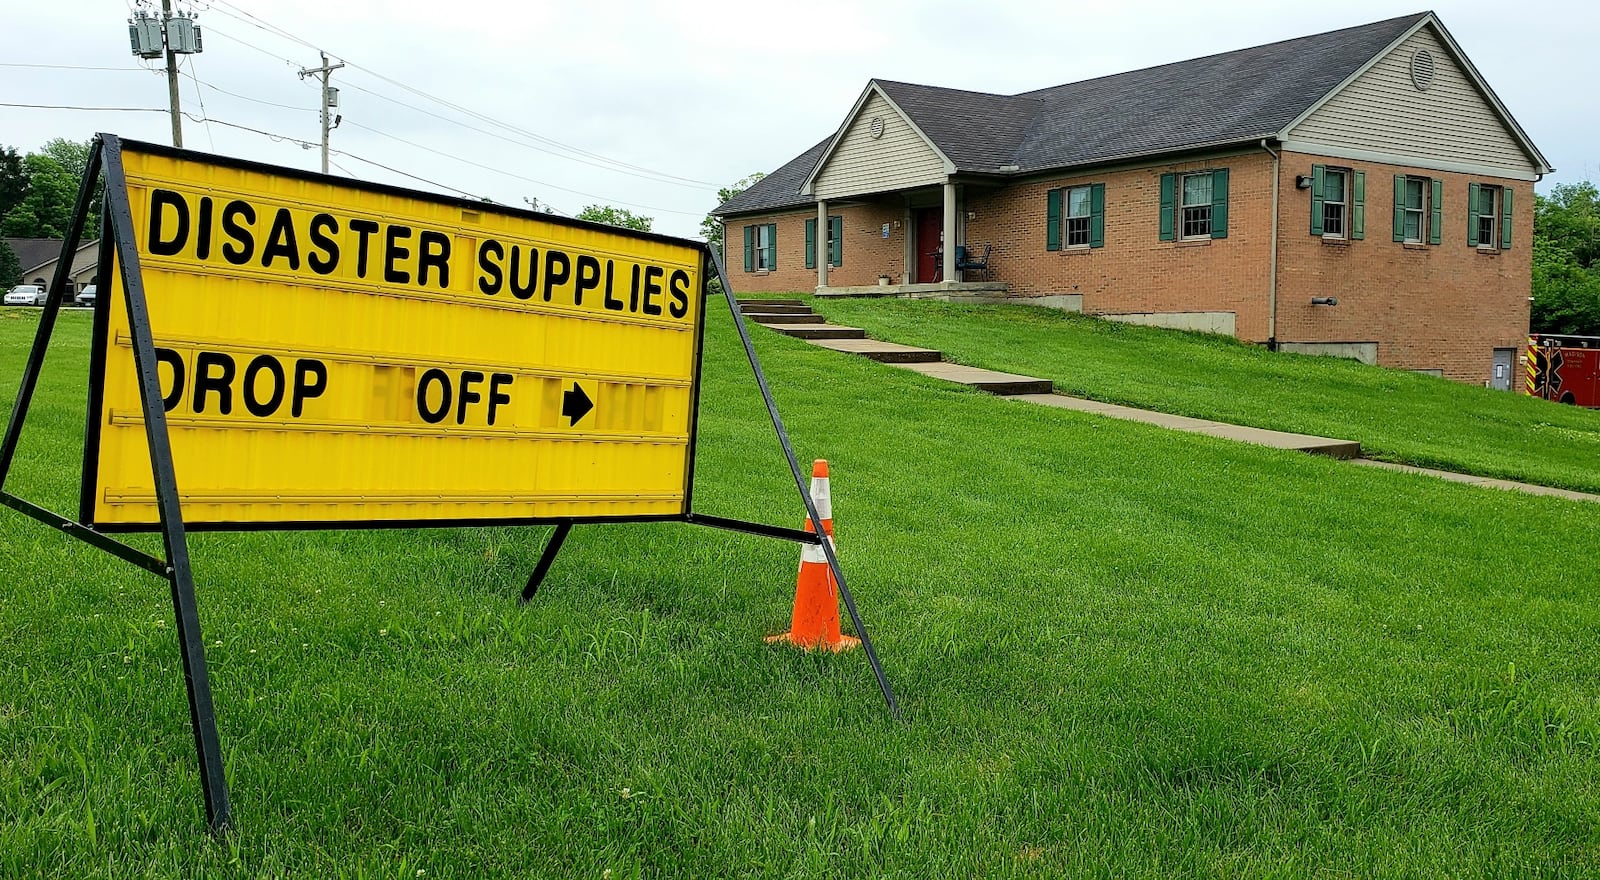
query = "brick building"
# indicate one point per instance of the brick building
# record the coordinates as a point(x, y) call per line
point(1359, 193)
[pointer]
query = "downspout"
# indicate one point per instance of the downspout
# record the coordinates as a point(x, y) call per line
point(1272, 287)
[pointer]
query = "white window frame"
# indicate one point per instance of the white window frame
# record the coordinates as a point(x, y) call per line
point(1184, 208)
point(1425, 187)
point(1068, 232)
point(763, 248)
point(1497, 209)
point(1342, 203)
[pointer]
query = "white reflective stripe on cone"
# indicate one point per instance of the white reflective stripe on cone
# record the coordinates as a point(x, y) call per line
point(813, 553)
point(822, 497)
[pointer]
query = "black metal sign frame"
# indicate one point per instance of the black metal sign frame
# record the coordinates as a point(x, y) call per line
point(118, 245)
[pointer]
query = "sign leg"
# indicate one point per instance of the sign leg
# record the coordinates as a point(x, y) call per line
point(47, 318)
point(202, 715)
point(546, 559)
point(800, 483)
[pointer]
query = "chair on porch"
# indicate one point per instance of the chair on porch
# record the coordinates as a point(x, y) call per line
point(967, 263)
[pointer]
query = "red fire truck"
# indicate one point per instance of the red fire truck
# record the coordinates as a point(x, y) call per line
point(1565, 369)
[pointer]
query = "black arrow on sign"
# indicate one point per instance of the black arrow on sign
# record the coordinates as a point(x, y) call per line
point(575, 404)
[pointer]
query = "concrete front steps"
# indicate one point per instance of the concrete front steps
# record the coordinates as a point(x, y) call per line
point(795, 318)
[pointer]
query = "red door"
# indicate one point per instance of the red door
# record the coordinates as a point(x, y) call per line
point(930, 226)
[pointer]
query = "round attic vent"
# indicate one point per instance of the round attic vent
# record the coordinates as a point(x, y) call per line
point(1422, 69)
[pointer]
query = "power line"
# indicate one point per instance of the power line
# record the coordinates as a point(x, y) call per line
point(615, 165)
point(510, 174)
point(98, 109)
point(199, 96)
point(75, 67)
point(216, 88)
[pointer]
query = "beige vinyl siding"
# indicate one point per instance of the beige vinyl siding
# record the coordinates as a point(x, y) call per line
point(861, 164)
point(1383, 111)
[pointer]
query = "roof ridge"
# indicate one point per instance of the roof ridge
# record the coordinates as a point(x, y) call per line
point(1414, 17)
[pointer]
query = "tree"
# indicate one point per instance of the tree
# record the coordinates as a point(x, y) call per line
point(616, 217)
point(1566, 261)
point(10, 267)
point(13, 180)
point(711, 227)
point(53, 177)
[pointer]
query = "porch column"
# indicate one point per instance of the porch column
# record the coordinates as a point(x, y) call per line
point(822, 244)
point(951, 273)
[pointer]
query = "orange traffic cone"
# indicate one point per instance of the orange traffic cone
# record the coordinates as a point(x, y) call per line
point(816, 593)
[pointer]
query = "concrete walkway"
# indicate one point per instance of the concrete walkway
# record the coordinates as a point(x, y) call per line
point(1030, 389)
point(1346, 449)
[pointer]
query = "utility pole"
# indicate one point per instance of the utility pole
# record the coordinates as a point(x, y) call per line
point(330, 98)
point(172, 81)
point(170, 35)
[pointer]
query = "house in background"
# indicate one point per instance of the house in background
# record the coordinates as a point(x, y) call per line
point(1360, 193)
point(39, 256)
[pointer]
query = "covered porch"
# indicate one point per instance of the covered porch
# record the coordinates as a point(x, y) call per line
point(896, 245)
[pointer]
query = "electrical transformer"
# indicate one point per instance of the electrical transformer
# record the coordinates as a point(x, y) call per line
point(144, 33)
point(183, 35)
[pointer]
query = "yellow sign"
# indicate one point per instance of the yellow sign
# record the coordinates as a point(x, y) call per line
point(335, 352)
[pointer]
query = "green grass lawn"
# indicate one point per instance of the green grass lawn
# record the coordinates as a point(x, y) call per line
point(1396, 415)
point(1121, 652)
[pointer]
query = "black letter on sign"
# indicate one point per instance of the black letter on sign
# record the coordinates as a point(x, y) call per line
point(363, 228)
point(238, 254)
point(393, 252)
point(204, 381)
point(652, 289)
point(439, 259)
point(490, 281)
point(588, 277)
point(617, 305)
point(202, 230)
point(680, 294)
point(519, 289)
point(258, 408)
point(170, 400)
point(160, 200)
point(469, 378)
point(496, 396)
point(323, 230)
point(433, 416)
point(553, 275)
point(305, 370)
point(280, 241)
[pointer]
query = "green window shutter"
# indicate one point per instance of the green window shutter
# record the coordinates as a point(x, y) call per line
point(836, 240)
point(1399, 207)
point(1317, 198)
point(1473, 192)
point(772, 246)
point(1436, 222)
point(1358, 205)
point(1505, 218)
point(1097, 215)
point(1219, 203)
point(1169, 196)
point(811, 242)
point(1052, 220)
point(749, 248)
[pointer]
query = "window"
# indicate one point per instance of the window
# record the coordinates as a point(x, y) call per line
point(835, 241)
point(1338, 203)
point(1418, 203)
point(1076, 217)
point(1076, 231)
point(1334, 202)
point(1194, 205)
point(1489, 216)
point(1415, 207)
point(761, 247)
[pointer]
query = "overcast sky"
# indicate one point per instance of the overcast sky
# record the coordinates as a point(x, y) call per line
point(687, 101)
